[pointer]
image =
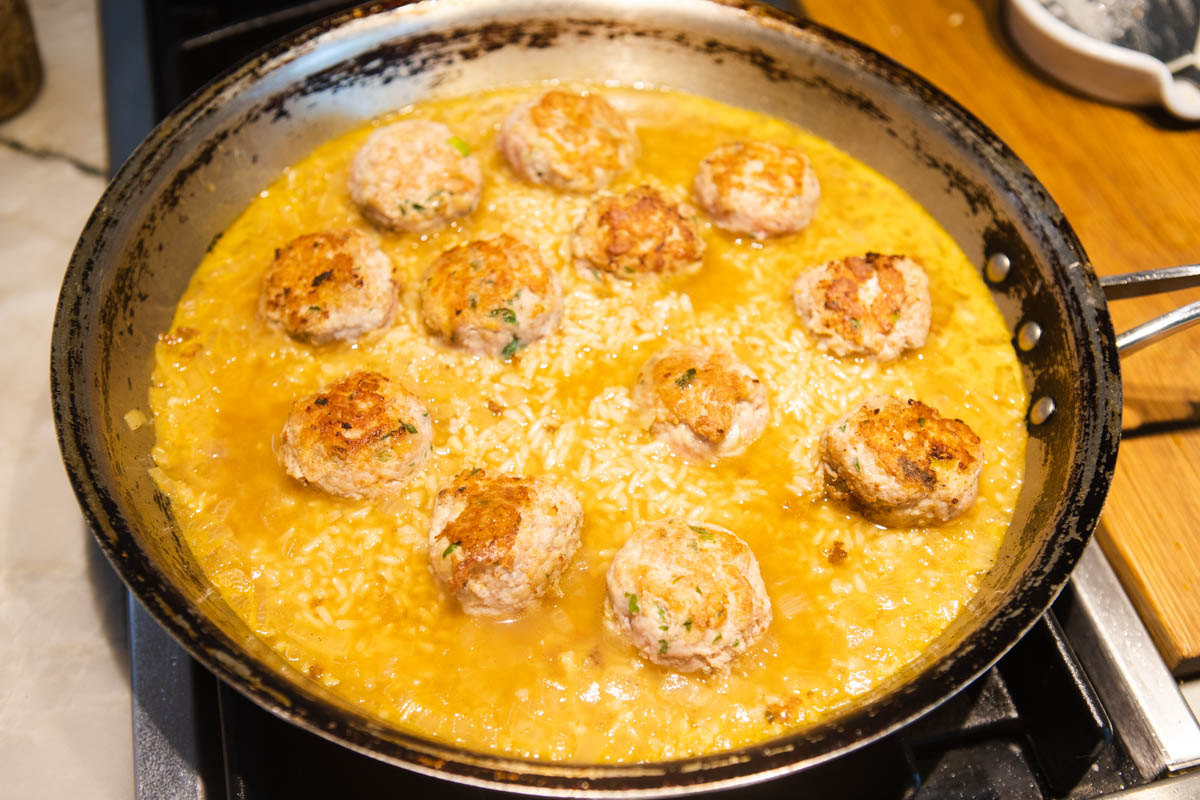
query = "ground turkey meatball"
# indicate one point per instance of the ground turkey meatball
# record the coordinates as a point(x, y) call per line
point(500, 544)
point(639, 233)
point(704, 401)
point(327, 286)
point(874, 305)
point(687, 595)
point(569, 140)
point(491, 296)
point(415, 176)
point(363, 436)
point(759, 188)
point(901, 463)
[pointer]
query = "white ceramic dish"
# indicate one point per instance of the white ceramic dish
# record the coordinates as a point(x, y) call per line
point(1106, 70)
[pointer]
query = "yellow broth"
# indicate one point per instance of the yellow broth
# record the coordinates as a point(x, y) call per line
point(342, 589)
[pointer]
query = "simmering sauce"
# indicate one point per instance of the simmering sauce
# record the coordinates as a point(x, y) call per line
point(342, 588)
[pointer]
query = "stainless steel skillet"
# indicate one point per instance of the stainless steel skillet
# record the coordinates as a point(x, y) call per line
point(193, 175)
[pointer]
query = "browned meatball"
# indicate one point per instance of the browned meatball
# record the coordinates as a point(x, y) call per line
point(875, 305)
point(760, 188)
point(569, 140)
point(362, 436)
point(415, 176)
point(335, 285)
point(703, 401)
point(688, 595)
point(491, 296)
point(902, 463)
point(641, 232)
point(502, 543)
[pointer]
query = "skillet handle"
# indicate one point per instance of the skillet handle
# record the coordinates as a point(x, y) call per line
point(1155, 281)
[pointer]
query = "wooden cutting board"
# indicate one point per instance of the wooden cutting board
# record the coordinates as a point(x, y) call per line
point(1129, 182)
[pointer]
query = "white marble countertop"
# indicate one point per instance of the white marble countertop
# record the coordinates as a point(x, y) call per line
point(64, 678)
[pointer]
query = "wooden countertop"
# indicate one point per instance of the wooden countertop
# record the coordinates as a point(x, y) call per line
point(1129, 182)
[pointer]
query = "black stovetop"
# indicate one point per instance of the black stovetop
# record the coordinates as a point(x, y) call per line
point(1032, 727)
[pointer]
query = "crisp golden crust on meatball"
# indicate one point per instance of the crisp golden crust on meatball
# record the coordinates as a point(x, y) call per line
point(902, 463)
point(641, 232)
point(500, 544)
point(688, 595)
point(569, 140)
point(362, 436)
point(491, 296)
point(874, 304)
point(759, 188)
point(415, 176)
point(703, 401)
point(334, 285)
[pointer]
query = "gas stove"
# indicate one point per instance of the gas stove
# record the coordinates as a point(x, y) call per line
point(1081, 707)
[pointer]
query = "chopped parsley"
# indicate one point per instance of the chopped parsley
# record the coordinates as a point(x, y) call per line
point(461, 146)
point(704, 533)
point(662, 612)
point(921, 421)
point(736, 642)
point(662, 647)
point(687, 624)
point(510, 349)
point(450, 549)
point(418, 207)
point(505, 314)
point(474, 302)
point(314, 308)
point(408, 426)
point(719, 637)
point(633, 603)
point(842, 427)
point(854, 323)
point(384, 455)
point(857, 467)
point(686, 378)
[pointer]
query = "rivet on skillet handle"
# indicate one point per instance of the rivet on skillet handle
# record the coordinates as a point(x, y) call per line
point(997, 267)
point(1156, 281)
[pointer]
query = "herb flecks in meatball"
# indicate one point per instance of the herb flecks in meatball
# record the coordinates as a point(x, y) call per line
point(702, 401)
point(901, 463)
point(758, 188)
point(329, 286)
point(688, 595)
point(500, 544)
point(491, 296)
point(362, 436)
point(876, 305)
point(642, 232)
point(415, 176)
point(568, 140)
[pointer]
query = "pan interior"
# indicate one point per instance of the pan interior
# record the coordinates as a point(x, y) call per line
point(162, 213)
